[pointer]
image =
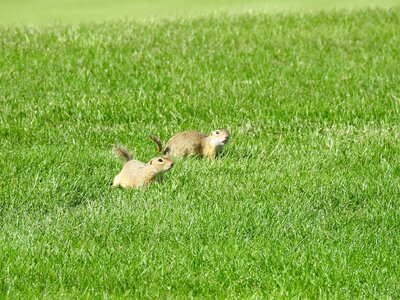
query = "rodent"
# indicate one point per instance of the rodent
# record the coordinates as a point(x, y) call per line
point(136, 174)
point(193, 143)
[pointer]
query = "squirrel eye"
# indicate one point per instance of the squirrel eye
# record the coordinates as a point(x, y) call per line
point(160, 160)
point(217, 132)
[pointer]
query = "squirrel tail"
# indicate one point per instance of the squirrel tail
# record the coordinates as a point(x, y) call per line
point(157, 141)
point(121, 152)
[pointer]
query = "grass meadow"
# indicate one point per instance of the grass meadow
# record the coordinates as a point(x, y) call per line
point(72, 11)
point(304, 202)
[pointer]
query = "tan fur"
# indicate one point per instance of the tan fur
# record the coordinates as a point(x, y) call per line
point(136, 174)
point(193, 143)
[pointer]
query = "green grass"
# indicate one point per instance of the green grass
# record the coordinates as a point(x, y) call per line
point(304, 203)
point(71, 11)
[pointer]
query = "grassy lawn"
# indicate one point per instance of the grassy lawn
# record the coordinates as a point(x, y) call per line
point(303, 203)
point(71, 11)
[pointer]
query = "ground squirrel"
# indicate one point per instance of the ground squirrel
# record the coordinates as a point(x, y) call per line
point(135, 174)
point(193, 143)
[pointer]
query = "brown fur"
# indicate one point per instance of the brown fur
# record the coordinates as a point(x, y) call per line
point(135, 174)
point(193, 143)
point(157, 141)
point(119, 151)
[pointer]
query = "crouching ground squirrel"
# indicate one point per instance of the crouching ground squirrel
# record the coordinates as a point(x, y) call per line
point(135, 174)
point(193, 143)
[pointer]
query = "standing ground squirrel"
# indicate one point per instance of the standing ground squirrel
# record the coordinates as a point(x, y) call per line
point(135, 174)
point(193, 143)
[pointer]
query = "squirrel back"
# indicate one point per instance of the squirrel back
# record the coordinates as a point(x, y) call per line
point(194, 143)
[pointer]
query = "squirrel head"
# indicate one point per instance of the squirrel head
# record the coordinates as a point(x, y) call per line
point(161, 164)
point(219, 137)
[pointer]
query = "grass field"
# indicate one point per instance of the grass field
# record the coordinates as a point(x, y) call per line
point(304, 203)
point(71, 11)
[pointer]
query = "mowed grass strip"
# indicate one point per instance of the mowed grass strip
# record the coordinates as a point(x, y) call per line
point(303, 203)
